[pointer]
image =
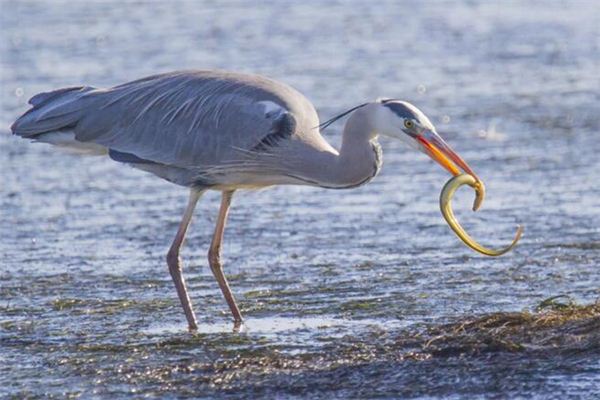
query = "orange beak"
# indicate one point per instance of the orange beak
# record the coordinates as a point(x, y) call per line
point(436, 148)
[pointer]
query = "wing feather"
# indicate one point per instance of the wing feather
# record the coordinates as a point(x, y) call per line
point(185, 119)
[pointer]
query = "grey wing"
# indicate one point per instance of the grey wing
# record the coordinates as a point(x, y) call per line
point(179, 119)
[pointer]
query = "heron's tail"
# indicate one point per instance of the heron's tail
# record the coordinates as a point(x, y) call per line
point(51, 111)
point(53, 117)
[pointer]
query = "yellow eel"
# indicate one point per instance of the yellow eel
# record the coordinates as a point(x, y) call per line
point(446, 208)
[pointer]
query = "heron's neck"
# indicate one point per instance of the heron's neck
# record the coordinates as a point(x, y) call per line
point(359, 158)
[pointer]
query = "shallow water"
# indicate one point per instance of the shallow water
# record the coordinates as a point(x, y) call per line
point(326, 279)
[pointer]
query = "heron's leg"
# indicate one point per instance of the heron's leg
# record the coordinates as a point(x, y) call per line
point(174, 261)
point(214, 257)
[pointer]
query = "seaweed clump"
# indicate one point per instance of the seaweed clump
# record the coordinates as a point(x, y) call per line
point(554, 327)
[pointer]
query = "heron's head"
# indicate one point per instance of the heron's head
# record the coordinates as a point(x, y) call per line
point(401, 120)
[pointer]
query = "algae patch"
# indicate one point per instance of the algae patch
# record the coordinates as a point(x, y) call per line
point(556, 327)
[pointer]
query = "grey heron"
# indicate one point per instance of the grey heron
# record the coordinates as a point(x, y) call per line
point(218, 130)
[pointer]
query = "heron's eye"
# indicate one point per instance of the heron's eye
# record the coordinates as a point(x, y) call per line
point(409, 124)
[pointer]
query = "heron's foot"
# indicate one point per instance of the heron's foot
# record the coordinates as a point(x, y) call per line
point(239, 327)
point(192, 327)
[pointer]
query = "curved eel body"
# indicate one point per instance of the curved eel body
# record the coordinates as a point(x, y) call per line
point(445, 205)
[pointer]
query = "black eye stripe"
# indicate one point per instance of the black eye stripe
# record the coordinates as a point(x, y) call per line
point(400, 109)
